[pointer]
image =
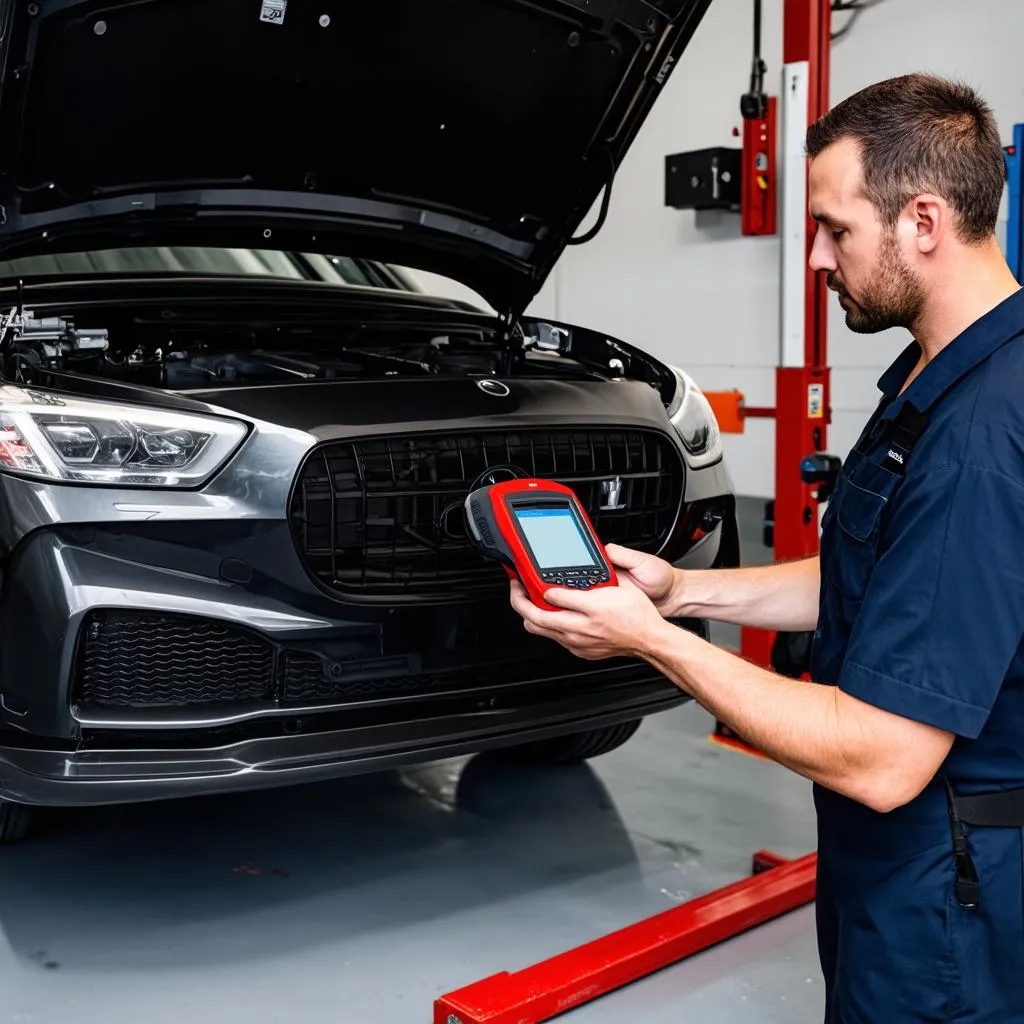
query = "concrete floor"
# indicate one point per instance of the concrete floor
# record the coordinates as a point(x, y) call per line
point(365, 899)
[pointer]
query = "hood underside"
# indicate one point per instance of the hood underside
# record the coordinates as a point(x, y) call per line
point(467, 137)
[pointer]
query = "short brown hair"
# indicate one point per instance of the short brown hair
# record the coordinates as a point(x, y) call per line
point(920, 133)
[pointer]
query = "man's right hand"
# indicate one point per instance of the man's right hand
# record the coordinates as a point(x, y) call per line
point(657, 578)
point(782, 596)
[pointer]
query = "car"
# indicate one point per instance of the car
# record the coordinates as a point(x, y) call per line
point(237, 431)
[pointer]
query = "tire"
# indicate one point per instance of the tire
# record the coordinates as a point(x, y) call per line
point(576, 747)
point(15, 820)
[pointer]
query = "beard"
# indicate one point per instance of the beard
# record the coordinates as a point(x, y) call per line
point(894, 297)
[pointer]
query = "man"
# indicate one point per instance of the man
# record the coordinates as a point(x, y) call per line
point(917, 599)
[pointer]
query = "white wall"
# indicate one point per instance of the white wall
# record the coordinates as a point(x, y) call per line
point(695, 291)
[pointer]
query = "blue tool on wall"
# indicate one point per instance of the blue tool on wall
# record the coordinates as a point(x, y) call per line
point(1015, 220)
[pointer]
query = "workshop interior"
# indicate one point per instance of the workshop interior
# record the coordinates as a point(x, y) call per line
point(321, 327)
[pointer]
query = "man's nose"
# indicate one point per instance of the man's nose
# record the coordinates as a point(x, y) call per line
point(822, 256)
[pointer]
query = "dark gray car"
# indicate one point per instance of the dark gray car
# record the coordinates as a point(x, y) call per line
point(236, 438)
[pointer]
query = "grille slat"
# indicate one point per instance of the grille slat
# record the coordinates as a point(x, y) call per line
point(384, 516)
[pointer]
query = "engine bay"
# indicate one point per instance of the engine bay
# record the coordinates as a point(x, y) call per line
point(183, 357)
point(180, 358)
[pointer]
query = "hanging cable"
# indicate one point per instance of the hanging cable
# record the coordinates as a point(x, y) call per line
point(855, 8)
point(754, 103)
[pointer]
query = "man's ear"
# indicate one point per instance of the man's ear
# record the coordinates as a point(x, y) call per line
point(929, 216)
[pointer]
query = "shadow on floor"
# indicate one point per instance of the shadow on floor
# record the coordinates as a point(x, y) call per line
point(205, 882)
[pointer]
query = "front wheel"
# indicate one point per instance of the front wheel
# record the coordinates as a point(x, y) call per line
point(15, 820)
point(576, 747)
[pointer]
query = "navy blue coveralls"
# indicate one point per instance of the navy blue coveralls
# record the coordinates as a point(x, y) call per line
point(922, 614)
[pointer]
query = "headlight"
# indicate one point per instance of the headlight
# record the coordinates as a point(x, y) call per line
point(77, 439)
point(692, 416)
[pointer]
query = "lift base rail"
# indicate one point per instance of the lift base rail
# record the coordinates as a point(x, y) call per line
point(553, 987)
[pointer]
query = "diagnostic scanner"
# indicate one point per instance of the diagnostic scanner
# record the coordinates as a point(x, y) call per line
point(539, 531)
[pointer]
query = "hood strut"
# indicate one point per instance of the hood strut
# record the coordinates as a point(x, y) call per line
point(605, 203)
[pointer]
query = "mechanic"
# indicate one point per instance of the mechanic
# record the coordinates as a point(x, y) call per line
point(917, 596)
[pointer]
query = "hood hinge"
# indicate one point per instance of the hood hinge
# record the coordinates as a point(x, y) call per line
point(511, 340)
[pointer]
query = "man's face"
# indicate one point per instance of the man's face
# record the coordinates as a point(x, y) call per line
point(864, 262)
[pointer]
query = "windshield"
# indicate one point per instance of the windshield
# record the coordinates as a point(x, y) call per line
point(296, 266)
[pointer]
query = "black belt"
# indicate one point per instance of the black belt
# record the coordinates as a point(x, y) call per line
point(984, 810)
point(992, 810)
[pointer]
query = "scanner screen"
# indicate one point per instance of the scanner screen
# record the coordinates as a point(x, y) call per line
point(554, 537)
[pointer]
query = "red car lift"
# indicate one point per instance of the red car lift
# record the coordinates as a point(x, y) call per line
point(777, 886)
point(802, 380)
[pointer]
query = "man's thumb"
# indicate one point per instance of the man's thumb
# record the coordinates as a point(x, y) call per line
point(624, 558)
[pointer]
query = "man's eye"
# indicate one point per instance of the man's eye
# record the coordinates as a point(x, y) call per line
point(838, 232)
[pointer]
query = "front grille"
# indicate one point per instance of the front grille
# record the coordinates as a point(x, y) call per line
point(152, 660)
point(385, 516)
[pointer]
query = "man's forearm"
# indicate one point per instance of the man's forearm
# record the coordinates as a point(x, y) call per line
point(825, 735)
point(790, 720)
point(782, 597)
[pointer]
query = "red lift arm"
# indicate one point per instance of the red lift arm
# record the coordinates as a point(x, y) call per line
point(553, 987)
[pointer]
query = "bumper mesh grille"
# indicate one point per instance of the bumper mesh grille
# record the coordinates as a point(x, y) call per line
point(385, 516)
point(137, 660)
point(150, 660)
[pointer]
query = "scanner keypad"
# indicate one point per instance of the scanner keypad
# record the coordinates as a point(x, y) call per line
point(578, 579)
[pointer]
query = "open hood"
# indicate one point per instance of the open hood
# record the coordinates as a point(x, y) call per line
point(467, 137)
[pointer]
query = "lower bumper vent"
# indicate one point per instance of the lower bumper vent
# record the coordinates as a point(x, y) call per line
point(149, 660)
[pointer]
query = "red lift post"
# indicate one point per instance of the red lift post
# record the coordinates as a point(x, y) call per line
point(760, 205)
point(802, 379)
point(777, 886)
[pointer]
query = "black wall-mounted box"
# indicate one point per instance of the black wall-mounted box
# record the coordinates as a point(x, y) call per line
point(704, 179)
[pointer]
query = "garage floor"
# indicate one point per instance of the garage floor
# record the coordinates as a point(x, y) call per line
point(365, 899)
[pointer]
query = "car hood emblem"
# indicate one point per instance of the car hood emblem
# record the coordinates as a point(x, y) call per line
point(451, 523)
point(497, 475)
point(490, 386)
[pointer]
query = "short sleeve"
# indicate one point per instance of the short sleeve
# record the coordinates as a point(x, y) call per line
point(943, 614)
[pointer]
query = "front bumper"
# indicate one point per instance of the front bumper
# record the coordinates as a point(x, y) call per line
point(484, 682)
point(331, 686)
point(118, 775)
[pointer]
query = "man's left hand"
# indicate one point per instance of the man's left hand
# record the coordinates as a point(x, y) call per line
point(609, 622)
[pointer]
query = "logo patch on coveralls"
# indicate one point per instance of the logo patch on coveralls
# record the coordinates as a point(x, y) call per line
point(895, 459)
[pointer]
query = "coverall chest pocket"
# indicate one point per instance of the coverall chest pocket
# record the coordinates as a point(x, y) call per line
point(857, 533)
